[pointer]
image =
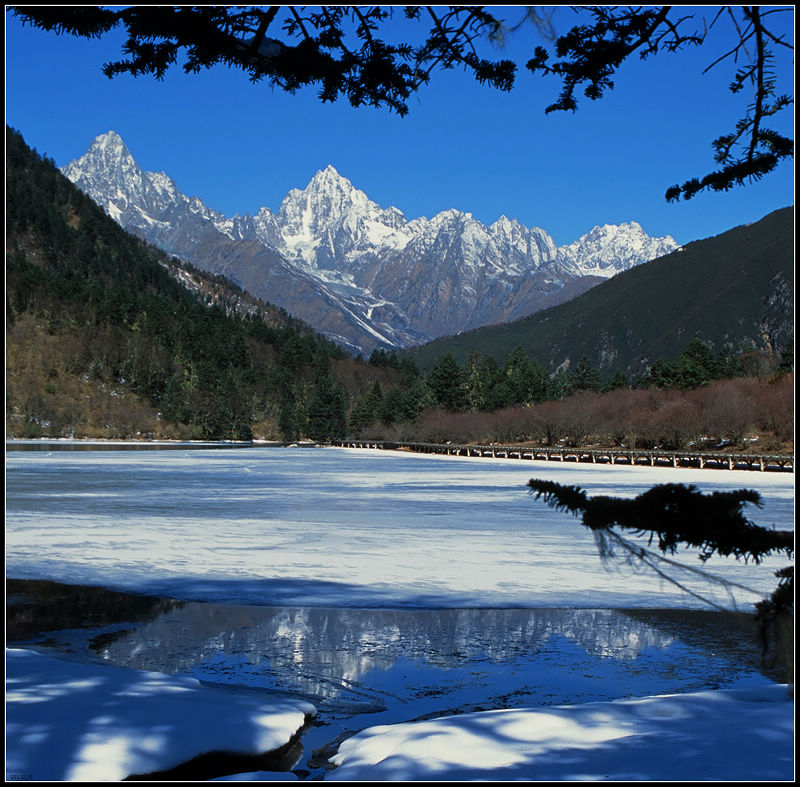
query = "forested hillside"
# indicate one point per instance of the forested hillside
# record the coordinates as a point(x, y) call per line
point(734, 291)
point(108, 337)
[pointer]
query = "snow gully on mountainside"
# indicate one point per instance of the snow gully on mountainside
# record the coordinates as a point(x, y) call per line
point(330, 230)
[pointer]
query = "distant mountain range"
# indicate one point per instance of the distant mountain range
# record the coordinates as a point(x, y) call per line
point(363, 275)
point(733, 290)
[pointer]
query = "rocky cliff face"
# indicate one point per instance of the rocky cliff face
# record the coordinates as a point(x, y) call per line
point(362, 274)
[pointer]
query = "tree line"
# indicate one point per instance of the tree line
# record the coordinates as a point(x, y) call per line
point(469, 398)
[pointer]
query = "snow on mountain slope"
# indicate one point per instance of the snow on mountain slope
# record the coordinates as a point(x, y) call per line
point(362, 274)
point(609, 249)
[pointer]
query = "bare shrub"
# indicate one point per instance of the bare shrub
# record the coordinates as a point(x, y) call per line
point(548, 422)
point(439, 426)
point(581, 417)
point(615, 412)
point(643, 418)
point(757, 364)
point(678, 421)
point(730, 412)
point(508, 425)
point(774, 408)
point(639, 428)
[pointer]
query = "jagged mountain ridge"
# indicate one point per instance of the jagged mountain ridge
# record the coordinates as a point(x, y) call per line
point(362, 274)
point(733, 290)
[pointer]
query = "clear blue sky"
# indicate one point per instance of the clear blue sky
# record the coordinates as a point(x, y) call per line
point(240, 146)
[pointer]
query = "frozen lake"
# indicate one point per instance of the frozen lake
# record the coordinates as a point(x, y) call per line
point(382, 587)
point(343, 527)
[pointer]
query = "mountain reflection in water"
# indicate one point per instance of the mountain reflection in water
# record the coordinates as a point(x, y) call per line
point(357, 660)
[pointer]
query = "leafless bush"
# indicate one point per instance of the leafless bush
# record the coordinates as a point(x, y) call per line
point(775, 408)
point(731, 415)
point(678, 421)
point(548, 422)
point(509, 425)
point(582, 418)
point(757, 364)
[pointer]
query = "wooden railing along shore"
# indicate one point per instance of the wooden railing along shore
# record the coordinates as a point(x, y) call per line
point(613, 456)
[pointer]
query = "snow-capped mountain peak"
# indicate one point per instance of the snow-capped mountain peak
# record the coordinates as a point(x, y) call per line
point(611, 248)
point(361, 273)
point(325, 223)
point(108, 161)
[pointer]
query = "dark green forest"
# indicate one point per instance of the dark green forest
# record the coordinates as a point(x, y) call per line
point(734, 292)
point(104, 340)
point(107, 336)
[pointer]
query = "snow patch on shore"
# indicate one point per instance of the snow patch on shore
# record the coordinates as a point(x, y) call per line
point(80, 722)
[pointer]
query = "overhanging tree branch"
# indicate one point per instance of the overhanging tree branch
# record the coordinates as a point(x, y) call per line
point(607, 540)
point(344, 51)
point(311, 50)
point(591, 54)
point(674, 514)
point(763, 148)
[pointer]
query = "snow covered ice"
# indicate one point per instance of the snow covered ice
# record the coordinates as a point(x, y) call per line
point(345, 527)
point(78, 722)
point(371, 531)
point(737, 735)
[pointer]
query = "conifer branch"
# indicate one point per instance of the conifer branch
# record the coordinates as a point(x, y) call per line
point(672, 514)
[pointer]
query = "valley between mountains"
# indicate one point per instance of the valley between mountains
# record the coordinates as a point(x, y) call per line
point(363, 275)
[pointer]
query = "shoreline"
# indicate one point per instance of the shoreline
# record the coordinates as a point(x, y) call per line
point(623, 457)
point(67, 443)
point(21, 591)
point(158, 635)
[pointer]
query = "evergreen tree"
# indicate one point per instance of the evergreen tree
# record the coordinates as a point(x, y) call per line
point(391, 406)
point(619, 380)
point(526, 378)
point(480, 380)
point(294, 353)
point(379, 357)
point(727, 364)
point(663, 375)
point(559, 385)
point(585, 377)
point(446, 383)
point(688, 374)
point(326, 410)
point(367, 409)
point(172, 401)
point(786, 365)
point(416, 399)
point(407, 366)
point(696, 365)
point(402, 404)
point(289, 420)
